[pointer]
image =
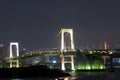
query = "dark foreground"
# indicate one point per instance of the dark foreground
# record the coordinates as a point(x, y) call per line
point(30, 72)
point(44, 73)
point(79, 76)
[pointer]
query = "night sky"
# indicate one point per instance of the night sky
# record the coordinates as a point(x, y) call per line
point(36, 23)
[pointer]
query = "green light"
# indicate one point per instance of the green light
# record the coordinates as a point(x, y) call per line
point(88, 67)
point(94, 64)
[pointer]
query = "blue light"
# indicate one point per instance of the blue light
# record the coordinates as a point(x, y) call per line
point(54, 61)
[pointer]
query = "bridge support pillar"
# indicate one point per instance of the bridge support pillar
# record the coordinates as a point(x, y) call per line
point(71, 62)
point(14, 63)
point(63, 62)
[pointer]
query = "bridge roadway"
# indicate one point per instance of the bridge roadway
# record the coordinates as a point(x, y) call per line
point(93, 53)
point(58, 53)
point(43, 53)
point(15, 62)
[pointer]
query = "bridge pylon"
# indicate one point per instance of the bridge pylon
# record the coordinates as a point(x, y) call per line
point(71, 61)
point(63, 47)
point(11, 49)
point(16, 62)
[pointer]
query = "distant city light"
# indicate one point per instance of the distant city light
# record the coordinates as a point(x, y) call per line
point(24, 49)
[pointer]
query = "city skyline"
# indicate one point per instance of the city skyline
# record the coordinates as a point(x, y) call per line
point(35, 24)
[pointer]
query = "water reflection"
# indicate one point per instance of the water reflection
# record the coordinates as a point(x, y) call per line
point(34, 78)
point(16, 79)
point(63, 78)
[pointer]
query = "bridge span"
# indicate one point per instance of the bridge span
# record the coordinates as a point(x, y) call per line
point(66, 57)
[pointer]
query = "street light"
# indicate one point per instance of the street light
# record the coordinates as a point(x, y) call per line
point(54, 62)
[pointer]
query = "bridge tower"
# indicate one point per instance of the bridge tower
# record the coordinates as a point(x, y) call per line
point(63, 48)
point(11, 54)
point(11, 49)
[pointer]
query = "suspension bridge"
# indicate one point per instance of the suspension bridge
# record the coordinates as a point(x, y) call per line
point(13, 59)
point(58, 57)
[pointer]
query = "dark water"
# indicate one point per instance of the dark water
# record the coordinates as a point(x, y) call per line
point(95, 76)
point(83, 76)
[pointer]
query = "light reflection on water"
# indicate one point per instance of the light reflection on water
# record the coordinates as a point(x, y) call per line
point(16, 79)
point(62, 78)
point(34, 79)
